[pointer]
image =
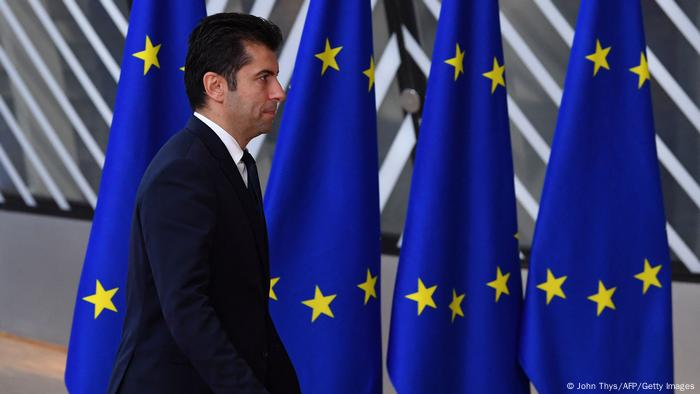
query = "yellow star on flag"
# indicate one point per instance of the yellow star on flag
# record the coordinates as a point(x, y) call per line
point(149, 55)
point(369, 286)
point(456, 305)
point(496, 75)
point(273, 282)
point(552, 286)
point(328, 57)
point(457, 62)
point(649, 276)
point(500, 283)
point(102, 299)
point(320, 304)
point(603, 298)
point(599, 57)
point(642, 70)
point(424, 296)
point(182, 69)
point(370, 73)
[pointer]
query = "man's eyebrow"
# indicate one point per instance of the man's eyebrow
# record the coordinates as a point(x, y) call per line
point(265, 71)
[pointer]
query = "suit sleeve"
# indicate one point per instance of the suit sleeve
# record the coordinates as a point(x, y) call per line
point(282, 377)
point(178, 217)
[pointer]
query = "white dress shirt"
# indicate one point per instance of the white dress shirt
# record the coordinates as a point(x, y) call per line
point(231, 145)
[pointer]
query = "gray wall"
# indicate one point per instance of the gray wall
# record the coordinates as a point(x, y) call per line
point(41, 257)
point(40, 262)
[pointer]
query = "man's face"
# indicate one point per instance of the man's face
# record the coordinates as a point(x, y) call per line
point(251, 108)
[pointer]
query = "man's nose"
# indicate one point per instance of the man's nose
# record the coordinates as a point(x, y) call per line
point(278, 93)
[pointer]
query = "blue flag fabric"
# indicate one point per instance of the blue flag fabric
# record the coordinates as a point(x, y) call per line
point(598, 304)
point(458, 294)
point(322, 206)
point(151, 105)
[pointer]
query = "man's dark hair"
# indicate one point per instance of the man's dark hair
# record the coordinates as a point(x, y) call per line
point(217, 45)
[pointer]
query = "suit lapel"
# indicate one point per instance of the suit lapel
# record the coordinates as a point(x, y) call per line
point(228, 167)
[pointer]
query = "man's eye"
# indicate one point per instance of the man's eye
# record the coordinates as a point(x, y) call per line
point(264, 77)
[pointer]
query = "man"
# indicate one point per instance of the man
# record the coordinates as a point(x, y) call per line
point(197, 319)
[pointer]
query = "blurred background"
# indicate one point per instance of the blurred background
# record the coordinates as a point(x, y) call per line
point(59, 67)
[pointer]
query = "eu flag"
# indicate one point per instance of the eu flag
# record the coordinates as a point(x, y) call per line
point(598, 304)
point(454, 323)
point(322, 206)
point(151, 105)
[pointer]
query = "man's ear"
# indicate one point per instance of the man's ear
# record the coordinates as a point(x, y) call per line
point(215, 86)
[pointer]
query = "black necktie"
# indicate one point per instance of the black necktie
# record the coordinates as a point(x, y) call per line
point(253, 181)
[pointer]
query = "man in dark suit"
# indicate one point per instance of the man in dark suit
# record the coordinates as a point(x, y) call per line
point(197, 318)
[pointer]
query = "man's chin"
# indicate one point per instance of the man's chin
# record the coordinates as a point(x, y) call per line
point(264, 130)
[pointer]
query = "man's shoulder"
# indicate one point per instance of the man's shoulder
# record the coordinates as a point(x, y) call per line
point(181, 145)
point(195, 140)
point(186, 144)
point(184, 150)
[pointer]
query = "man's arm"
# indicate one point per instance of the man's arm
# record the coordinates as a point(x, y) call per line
point(282, 377)
point(178, 217)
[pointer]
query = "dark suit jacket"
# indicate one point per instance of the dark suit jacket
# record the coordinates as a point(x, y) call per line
point(197, 317)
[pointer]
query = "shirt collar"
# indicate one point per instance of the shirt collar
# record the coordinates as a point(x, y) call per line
point(231, 144)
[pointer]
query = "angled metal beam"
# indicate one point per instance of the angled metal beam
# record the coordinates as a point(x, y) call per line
point(387, 67)
point(682, 22)
point(216, 6)
point(53, 85)
point(93, 38)
point(70, 58)
point(401, 21)
point(434, 7)
point(513, 38)
point(119, 21)
point(16, 179)
point(262, 8)
point(48, 131)
point(33, 157)
point(395, 160)
point(414, 50)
